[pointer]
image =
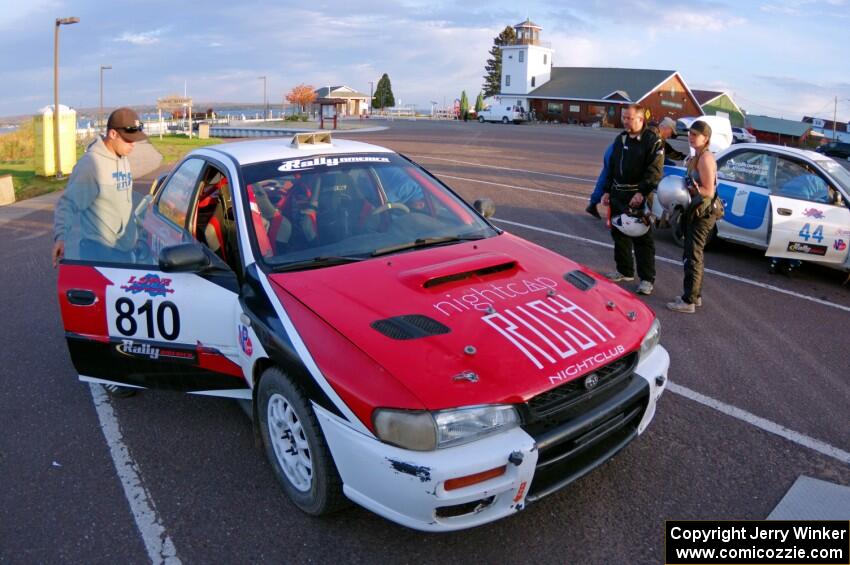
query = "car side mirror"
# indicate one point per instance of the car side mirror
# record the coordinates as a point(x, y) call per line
point(184, 258)
point(485, 206)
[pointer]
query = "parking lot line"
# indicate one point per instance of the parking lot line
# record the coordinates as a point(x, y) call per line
point(577, 197)
point(679, 262)
point(761, 423)
point(158, 544)
point(580, 179)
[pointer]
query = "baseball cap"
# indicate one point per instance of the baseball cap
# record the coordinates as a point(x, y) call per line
point(669, 123)
point(127, 123)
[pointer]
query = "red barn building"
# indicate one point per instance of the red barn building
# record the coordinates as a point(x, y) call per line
point(585, 95)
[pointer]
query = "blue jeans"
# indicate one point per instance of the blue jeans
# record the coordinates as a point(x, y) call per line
point(91, 250)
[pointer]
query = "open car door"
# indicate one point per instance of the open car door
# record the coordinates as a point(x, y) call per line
point(168, 318)
point(806, 230)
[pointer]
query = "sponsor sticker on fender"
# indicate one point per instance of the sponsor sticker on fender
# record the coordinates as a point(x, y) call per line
point(245, 341)
point(807, 248)
point(839, 245)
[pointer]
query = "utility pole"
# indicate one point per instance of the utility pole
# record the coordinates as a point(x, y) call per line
point(834, 116)
point(370, 96)
point(56, 156)
point(265, 101)
point(100, 116)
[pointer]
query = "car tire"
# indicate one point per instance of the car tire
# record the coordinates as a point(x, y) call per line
point(480, 119)
point(505, 119)
point(293, 440)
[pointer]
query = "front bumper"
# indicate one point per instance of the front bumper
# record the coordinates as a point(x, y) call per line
point(407, 487)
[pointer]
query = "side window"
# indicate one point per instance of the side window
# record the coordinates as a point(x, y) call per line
point(176, 197)
point(522, 56)
point(212, 221)
point(748, 167)
point(795, 180)
point(507, 80)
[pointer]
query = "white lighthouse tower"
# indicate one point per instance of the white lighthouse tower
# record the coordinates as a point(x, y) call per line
point(526, 64)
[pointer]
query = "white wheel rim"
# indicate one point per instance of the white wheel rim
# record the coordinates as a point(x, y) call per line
point(290, 443)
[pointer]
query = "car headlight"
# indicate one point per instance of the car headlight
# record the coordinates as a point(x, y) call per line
point(426, 431)
point(650, 340)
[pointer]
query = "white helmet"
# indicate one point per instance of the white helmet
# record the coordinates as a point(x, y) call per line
point(672, 192)
point(629, 225)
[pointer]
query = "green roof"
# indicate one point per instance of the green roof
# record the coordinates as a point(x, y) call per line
point(777, 125)
point(595, 83)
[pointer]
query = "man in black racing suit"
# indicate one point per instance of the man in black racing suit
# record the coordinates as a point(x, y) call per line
point(636, 167)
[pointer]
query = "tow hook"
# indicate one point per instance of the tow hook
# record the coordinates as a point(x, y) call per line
point(515, 458)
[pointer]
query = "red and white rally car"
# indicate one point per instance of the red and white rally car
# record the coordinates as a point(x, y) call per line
point(397, 349)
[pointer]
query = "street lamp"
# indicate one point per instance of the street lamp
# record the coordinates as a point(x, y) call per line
point(370, 97)
point(59, 22)
point(265, 102)
point(100, 116)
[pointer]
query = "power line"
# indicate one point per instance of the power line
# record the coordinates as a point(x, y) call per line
point(787, 110)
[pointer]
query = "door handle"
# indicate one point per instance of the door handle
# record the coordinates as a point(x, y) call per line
point(783, 211)
point(81, 297)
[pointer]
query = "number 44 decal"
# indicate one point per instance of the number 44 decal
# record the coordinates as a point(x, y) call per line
point(817, 235)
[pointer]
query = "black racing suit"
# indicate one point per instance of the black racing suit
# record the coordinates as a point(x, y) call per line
point(636, 166)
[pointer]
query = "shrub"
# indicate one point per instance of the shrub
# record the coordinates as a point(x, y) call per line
point(19, 144)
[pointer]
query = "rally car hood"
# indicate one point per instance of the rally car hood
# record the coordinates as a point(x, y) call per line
point(491, 321)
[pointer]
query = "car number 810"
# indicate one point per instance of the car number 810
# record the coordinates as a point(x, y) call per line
point(129, 317)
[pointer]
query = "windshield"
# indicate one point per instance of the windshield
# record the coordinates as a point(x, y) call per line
point(837, 172)
point(351, 206)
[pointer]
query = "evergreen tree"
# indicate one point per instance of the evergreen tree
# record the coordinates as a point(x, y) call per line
point(464, 104)
point(493, 79)
point(479, 102)
point(383, 94)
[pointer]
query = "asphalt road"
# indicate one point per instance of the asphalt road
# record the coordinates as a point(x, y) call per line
point(760, 344)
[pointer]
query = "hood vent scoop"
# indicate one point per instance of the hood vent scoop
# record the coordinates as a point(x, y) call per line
point(483, 272)
point(459, 269)
point(580, 280)
point(412, 326)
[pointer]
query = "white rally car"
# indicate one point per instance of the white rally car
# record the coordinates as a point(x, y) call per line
point(793, 203)
point(395, 347)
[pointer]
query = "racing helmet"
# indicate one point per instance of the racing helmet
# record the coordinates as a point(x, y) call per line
point(630, 225)
point(673, 192)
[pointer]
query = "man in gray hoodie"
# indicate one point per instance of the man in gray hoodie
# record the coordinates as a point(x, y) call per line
point(100, 194)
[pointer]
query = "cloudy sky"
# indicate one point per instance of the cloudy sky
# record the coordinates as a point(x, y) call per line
point(779, 57)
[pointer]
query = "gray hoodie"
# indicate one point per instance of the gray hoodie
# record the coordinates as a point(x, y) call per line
point(100, 194)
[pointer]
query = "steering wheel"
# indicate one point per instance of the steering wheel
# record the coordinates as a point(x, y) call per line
point(391, 207)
